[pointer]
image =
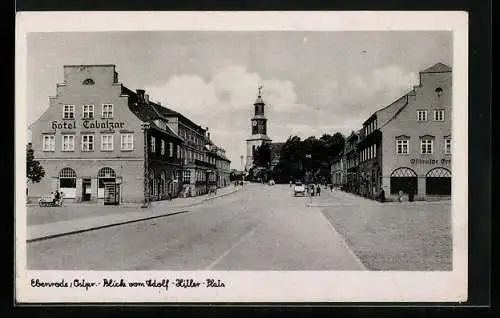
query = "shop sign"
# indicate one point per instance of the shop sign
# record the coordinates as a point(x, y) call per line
point(87, 124)
point(419, 161)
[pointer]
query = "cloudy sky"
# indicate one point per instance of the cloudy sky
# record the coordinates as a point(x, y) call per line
point(314, 82)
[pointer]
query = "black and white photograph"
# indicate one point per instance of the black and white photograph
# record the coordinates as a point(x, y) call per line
point(241, 157)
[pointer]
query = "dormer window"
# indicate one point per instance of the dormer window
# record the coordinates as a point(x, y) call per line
point(88, 81)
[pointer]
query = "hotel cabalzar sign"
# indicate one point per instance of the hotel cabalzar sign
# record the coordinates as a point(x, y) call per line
point(419, 161)
point(87, 124)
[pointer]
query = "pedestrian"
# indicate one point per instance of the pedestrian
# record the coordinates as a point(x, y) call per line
point(331, 187)
point(318, 190)
point(382, 195)
point(400, 195)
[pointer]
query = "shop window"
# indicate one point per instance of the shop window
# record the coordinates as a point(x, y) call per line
point(438, 182)
point(69, 111)
point(422, 115)
point(127, 142)
point(68, 142)
point(49, 143)
point(107, 111)
point(107, 142)
point(67, 182)
point(88, 111)
point(87, 142)
point(404, 179)
point(104, 176)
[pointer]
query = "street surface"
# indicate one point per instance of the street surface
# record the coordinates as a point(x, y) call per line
point(258, 228)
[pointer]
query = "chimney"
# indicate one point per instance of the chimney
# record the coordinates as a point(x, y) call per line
point(140, 95)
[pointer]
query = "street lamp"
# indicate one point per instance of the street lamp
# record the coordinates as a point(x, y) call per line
point(145, 127)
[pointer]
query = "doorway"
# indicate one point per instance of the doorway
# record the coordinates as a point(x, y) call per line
point(86, 190)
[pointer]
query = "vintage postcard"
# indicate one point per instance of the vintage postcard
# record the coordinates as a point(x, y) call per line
point(241, 157)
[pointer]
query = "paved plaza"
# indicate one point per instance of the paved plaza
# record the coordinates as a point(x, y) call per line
point(259, 227)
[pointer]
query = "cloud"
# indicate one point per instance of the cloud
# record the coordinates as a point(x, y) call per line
point(224, 103)
point(366, 93)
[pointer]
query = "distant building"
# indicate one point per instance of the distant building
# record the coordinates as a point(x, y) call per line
point(258, 130)
point(259, 135)
point(337, 170)
point(406, 146)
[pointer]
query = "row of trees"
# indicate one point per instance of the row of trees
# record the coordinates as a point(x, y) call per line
point(308, 160)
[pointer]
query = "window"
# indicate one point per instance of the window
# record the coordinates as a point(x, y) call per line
point(88, 111)
point(49, 143)
point(69, 111)
point(106, 142)
point(439, 115)
point(88, 81)
point(186, 176)
point(426, 146)
point(87, 142)
point(170, 149)
point(447, 146)
point(127, 142)
point(422, 115)
point(162, 150)
point(402, 147)
point(68, 142)
point(107, 111)
point(153, 144)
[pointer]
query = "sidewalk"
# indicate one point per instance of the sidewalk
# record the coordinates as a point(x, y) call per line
point(93, 222)
point(342, 198)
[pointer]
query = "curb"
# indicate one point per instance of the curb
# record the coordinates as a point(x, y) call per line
point(46, 237)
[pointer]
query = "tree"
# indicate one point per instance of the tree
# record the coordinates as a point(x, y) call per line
point(262, 156)
point(34, 171)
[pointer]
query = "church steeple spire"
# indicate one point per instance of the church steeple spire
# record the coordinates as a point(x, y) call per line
point(258, 128)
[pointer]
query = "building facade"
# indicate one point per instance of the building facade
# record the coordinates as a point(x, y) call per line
point(101, 142)
point(406, 146)
point(416, 142)
point(258, 130)
point(337, 170)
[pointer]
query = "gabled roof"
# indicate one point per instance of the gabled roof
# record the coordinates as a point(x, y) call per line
point(145, 112)
point(437, 68)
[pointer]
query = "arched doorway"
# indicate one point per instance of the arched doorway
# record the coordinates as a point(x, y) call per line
point(404, 179)
point(105, 175)
point(438, 182)
point(67, 182)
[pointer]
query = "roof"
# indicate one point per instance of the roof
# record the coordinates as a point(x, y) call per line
point(437, 68)
point(146, 112)
point(259, 100)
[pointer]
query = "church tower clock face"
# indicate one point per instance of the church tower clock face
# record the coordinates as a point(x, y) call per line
point(254, 123)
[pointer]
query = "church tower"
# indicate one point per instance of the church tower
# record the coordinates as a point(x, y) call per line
point(258, 129)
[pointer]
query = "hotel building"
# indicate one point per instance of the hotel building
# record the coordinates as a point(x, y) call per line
point(99, 141)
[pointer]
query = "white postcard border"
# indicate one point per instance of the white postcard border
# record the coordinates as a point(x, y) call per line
point(256, 286)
